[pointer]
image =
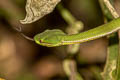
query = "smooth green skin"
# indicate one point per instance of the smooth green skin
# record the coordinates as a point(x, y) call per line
point(56, 37)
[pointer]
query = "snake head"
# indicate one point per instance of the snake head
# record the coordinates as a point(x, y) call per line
point(50, 38)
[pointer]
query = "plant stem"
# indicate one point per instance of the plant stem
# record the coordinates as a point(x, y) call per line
point(71, 69)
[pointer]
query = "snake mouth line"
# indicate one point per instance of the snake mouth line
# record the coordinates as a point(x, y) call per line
point(50, 44)
point(45, 43)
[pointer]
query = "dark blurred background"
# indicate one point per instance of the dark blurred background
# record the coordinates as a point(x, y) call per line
point(21, 59)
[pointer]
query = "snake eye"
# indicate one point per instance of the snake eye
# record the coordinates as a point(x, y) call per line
point(40, 41)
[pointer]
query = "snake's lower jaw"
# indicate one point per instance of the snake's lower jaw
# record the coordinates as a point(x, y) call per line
point(56, 45)
point(51, 45)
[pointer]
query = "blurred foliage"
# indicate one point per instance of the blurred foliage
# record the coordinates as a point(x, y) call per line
point(22, 59)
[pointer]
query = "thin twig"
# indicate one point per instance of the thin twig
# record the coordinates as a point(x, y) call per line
point(19, 29)
point(112, 10)
point(70, 68)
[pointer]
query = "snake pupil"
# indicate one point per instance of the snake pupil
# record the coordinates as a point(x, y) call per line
point(40, 41)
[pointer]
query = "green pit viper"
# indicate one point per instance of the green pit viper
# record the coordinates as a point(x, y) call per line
point(56, 37)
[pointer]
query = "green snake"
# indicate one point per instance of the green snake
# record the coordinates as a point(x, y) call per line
point(56, 37)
